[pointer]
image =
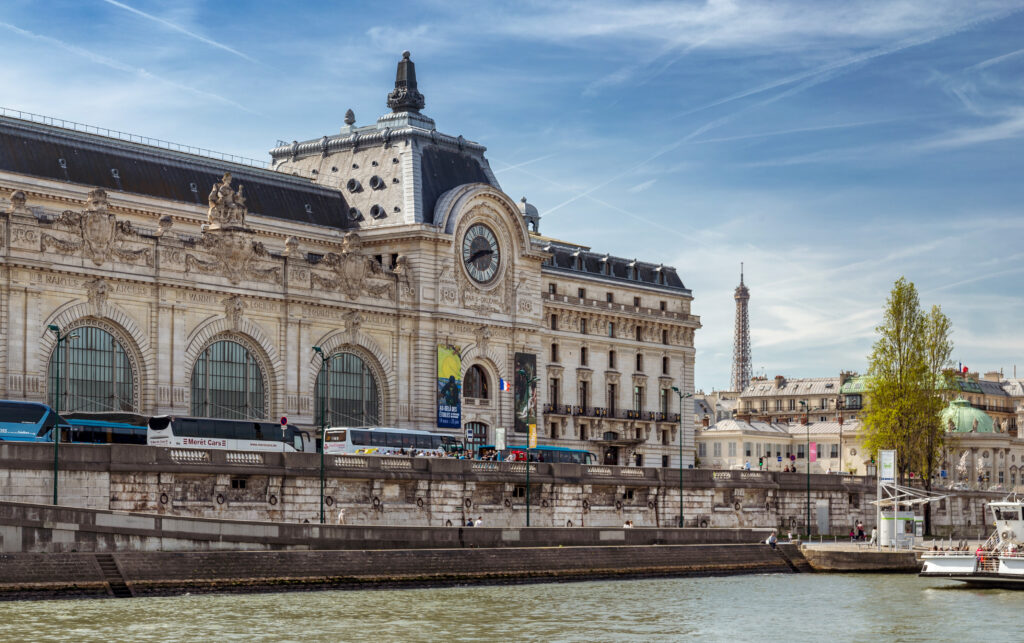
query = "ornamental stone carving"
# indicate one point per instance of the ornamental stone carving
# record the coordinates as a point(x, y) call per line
point(234, 306)
point(234, 255)
point(353, 322)
point(102, 236)
point(353, 273)
point(403, 271)
point(483, 339)
point(227, 206)
point(96, 291)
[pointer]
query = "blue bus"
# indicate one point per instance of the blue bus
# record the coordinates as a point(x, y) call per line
point(22, 421)
point(537, 454)
point(103, 428)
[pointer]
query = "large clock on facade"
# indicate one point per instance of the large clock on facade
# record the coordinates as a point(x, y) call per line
point(480, 253)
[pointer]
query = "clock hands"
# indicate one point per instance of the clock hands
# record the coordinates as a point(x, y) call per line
point(479, 253)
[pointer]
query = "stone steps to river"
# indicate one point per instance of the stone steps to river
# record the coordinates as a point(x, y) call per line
point(112, 575)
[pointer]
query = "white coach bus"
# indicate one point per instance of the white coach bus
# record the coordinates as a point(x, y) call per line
point(234, 435)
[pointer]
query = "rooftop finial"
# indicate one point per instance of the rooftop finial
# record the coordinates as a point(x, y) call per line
point(741, 273)
point(406, 97)
point(350, 118)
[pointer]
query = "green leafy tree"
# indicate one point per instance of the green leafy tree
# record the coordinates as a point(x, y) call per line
point(905, 378)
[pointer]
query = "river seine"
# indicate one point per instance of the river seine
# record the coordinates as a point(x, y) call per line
point(800, 607)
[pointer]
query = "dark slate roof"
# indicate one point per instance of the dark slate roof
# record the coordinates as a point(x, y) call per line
point(61, 154)
point(992, 388)
point(568, 258)
point(441, 170)
point(702, 408)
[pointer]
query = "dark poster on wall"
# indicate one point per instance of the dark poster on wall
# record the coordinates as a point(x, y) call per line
point(526, 370)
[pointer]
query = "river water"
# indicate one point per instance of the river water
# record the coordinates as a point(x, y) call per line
point(802, 607)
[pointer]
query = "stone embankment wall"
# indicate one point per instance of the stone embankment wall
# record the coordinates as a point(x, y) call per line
point(374, 491)
point(863, 559)
point(146, 574)
point(29, 528)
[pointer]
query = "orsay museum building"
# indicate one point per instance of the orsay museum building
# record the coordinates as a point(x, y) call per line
point(197, 284)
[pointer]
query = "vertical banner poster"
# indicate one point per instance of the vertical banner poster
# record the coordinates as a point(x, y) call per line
point(449, 387)
point(814, 451)
point(499, 439)
point(887, 467)
point(526, 370)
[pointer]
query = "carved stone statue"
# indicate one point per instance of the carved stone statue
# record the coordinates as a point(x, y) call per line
point(234, 306)
point(96, 290)
point(227, 206)
point(18, 203)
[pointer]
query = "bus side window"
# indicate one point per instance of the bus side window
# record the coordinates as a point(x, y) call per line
point(394, 440)
point(378, 439)
point(360, 438)
point(257, 430)
point(297, 437)
point(435, 441)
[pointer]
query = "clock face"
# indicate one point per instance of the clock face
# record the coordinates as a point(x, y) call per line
point(480, 253)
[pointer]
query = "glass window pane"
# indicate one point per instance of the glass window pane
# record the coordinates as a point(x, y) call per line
point(227, 383)
point(354, 398)
point(95, 373)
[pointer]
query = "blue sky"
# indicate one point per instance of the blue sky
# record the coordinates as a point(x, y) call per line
point(830, 146)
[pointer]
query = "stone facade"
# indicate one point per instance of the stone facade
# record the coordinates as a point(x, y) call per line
point(352, 243)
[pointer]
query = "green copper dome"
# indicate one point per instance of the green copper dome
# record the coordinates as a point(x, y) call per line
point(965, 418)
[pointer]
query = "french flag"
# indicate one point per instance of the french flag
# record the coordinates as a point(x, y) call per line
point(504, 385)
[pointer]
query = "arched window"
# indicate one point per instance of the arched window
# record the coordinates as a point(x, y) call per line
point(227, 383)
point(95, 374)
point(354, 393)
point(475, 383)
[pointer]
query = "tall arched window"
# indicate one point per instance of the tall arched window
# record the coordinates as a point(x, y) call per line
point(227, 383)
point(354, 394)
point(474, 384)
point(95, 373)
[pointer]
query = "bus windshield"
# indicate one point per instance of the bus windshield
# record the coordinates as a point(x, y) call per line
point(19, 413)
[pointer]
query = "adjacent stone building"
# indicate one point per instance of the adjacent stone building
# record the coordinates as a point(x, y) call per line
point(199, 284)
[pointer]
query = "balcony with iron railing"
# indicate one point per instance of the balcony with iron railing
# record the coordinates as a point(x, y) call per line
point(615, 307)
point(603, 412)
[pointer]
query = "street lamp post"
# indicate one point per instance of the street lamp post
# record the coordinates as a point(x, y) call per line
point(807, 426)
point(531, 384)
point(839, 408)
point(55, 329)
point(325, 368)
point(681, 396)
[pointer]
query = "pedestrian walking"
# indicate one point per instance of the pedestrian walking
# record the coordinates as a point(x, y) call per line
point(341, 516)
point(479, 521)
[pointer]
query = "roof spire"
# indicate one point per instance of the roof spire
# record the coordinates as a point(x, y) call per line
point(741, 273)
point(405, 97)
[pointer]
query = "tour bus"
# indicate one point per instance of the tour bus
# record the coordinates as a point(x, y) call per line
point(22, 421)
point(386, 441)
point(235, 435)
point(26, 422)
point(117, 427)
point(98, 431)
point(537, 454)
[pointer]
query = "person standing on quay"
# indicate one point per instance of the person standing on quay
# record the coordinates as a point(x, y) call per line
point(479, 521)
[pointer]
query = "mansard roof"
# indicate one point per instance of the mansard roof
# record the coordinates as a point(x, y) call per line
point(47, 151)
point(569, 258)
